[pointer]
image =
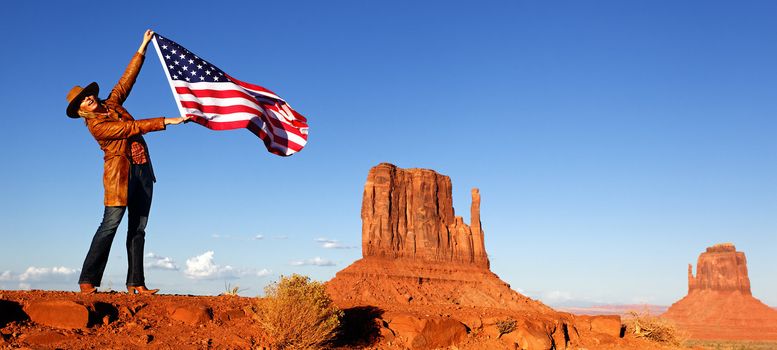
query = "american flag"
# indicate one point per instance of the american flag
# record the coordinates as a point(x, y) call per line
point(218, 101)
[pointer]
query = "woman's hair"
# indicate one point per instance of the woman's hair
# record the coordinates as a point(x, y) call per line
point(86, 115)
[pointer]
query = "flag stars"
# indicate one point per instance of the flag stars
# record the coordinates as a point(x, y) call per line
point(176, 63)
point(183, 57)
point(175, 77)
point(202, 78)
point(199, 66)
point(185, 68)
point(207, 72)
point(167, 57)
point(191, 61)
point(194, 72)
point(171, 66)
point(164, 47)
point(173, 52)
point(216, 78)
point(187, 79)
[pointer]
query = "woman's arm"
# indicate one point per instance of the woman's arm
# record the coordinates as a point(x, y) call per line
point(122, 89)
point(106, 129)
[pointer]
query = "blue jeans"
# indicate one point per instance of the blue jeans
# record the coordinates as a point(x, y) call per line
point(139, 193)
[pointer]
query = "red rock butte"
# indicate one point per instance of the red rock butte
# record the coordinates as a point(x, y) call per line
point(422, 265)
point(416, 250)
point(409, 213)
point(719, 304)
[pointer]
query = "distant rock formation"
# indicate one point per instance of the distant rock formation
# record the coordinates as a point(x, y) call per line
point(720, 268)
point(409, 213)
point(719, 304)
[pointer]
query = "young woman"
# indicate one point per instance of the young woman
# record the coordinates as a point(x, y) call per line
point(128, 177)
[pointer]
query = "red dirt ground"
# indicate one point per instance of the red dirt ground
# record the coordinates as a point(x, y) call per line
point(123, 321)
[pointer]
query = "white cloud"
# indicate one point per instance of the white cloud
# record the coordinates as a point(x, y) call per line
point(332, 244)
point(336, 245)
point(556, 296)
point(154, 261)
point(6, 276)
point(317, 261)
point(46, 273)
point(203, 267)
point(40, 276)
point(256, 237)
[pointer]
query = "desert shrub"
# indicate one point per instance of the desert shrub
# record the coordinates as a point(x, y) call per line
point(232, 290)
point(657, 329)
point(297, 313)
point(505, 326)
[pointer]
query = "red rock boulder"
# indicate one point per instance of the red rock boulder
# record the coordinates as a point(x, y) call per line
point(426, 332)
point(191, 314)
point(604, 324)
point(59, 314)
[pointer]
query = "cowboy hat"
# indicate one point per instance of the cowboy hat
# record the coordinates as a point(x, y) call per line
point(77, 94)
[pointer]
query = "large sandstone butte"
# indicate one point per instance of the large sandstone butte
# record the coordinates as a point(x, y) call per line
point(409, 213)
point(423, 267)
point(417, 251)
point(719, 304)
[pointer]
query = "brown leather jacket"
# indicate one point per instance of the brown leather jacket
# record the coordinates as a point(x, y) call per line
point(115, 131)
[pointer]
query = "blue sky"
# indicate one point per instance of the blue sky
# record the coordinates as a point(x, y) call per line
point(612, 141)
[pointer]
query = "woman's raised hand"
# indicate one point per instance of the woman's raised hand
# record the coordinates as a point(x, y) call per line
point(147, 36)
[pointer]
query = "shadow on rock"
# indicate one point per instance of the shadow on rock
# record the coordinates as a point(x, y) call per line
point(102, 313)
point(360, 326)
point(11, 311)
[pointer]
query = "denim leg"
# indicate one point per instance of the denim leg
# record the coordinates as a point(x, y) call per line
point(94, 264)
point(139, 200)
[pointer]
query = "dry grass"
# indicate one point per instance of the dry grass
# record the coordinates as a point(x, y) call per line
point(505, 326)
point(297, 313)
point(232, 290)
point(657, 329)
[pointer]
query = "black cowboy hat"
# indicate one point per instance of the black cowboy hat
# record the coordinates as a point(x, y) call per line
point(77, 94)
